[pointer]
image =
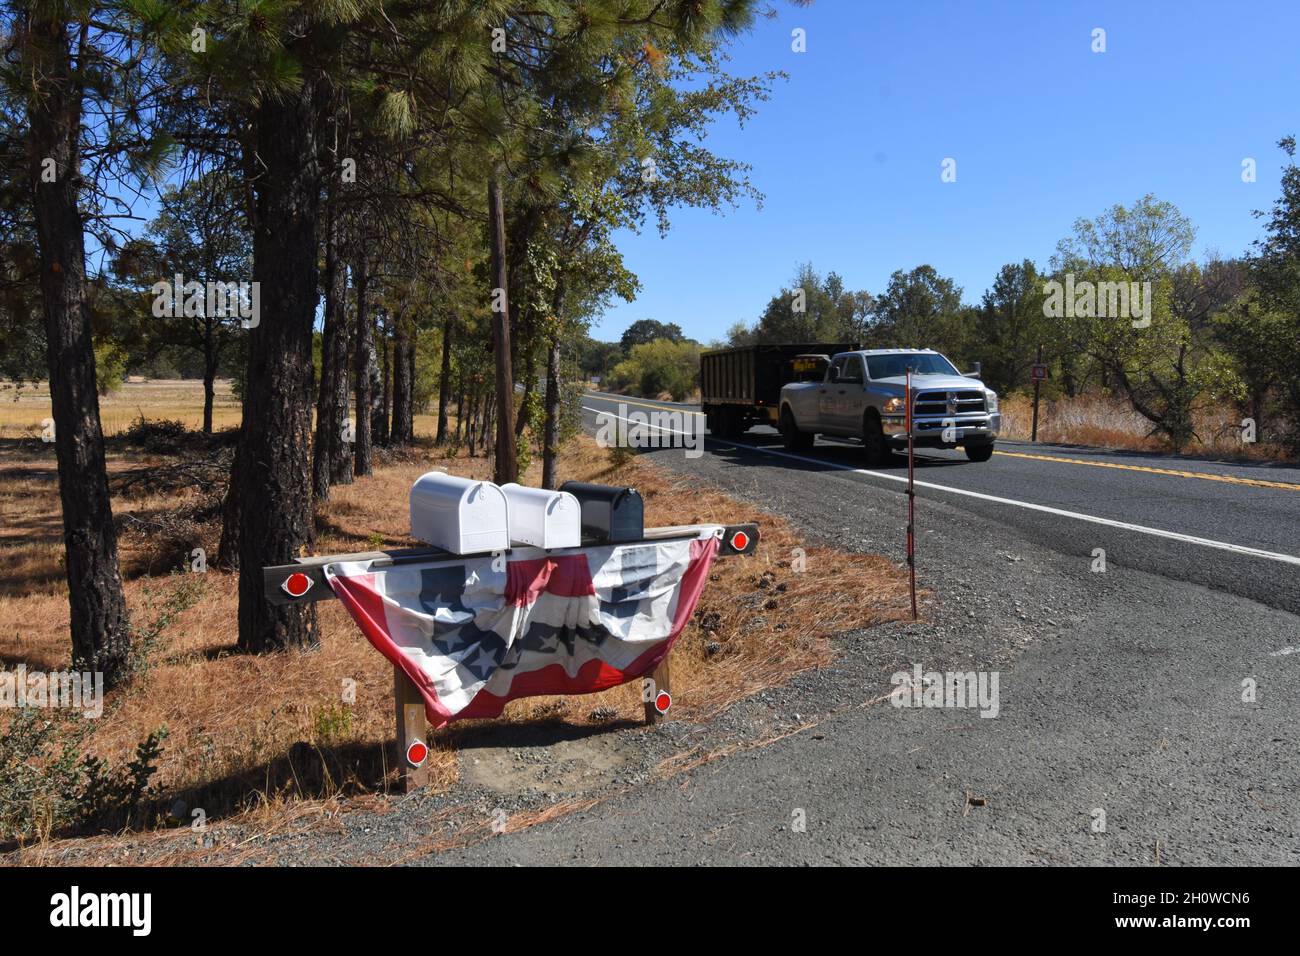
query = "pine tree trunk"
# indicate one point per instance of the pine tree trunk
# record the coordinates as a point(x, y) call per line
point(530, 376)
point(412, 344)
point(101, 639)
point(209, 374)
point(333, 461)
point(274, 473)
point(470, 435)
point(377, 429)
point(386, 409)
point(506, 468)
point(228, 548)
point(401, 427)
point(362, 452)
point(460, 408)
point(444, 382)
point(382, 431)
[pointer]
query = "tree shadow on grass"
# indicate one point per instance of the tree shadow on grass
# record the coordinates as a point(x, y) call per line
point(540, 732)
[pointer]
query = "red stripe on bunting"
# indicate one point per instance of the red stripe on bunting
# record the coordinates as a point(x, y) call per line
point(597, 675)
point(565, 576)
point(366, 606)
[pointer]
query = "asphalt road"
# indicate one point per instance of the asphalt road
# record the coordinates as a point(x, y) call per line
point(1235, 508)
point(1147, 714)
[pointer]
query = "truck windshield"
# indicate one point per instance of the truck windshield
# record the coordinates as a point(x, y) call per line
point(922, 363)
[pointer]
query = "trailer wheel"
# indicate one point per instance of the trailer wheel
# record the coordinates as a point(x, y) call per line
point(711, 420)
point(791, 436)
point(721, 421)
point(728, 421)
point(873, 439)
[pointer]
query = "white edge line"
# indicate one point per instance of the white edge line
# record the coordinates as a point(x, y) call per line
point(1078, 516)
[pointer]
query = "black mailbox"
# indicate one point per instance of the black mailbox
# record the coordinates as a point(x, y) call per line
point(609, 513)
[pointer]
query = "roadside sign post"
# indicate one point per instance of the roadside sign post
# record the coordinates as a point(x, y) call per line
point(660, 697)
point(1039, 372)
point(911, 492)
point(412, 733)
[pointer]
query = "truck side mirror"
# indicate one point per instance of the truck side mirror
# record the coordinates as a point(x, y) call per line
point(975, 370)
point(833, 374)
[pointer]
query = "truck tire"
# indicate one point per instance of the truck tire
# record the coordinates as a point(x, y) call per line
point(791, 436)
point(730, 421)
point(722, 420)
point(712, 420)
point(980, 452)
point(873, 439)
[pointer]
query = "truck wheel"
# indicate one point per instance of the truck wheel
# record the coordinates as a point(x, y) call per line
point(712, 420)
point(873, 440)
point(791, 436)
point(733, 421)
point(980, 452)
point(725, 420)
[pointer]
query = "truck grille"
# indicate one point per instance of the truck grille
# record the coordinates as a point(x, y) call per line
point(948, 403)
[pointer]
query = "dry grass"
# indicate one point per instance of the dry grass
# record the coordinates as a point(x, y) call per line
point(1108, 422)
point(270, 737)
point(22, 410)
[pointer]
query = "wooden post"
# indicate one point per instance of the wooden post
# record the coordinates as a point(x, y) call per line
point(661, 680)
point(1033, 433)
point(412, 727)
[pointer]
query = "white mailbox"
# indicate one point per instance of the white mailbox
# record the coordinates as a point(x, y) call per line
point(461, 515)
point(544, 519)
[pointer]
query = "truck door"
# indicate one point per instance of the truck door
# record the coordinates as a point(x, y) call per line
point(850, 396)
point(828, 394)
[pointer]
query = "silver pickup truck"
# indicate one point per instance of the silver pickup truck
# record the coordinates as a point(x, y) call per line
point(861, 396)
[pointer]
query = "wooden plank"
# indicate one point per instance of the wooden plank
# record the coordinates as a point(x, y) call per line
point(273, 578)
point(661, 682)
point(412, 727)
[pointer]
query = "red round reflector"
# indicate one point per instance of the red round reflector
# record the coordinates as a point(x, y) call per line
point(417, 753)
point(297, 584)
point(739, 540)
point(663, 700)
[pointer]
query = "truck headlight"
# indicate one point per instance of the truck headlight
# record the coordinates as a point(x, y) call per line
point(893, 406)
point(991, 397)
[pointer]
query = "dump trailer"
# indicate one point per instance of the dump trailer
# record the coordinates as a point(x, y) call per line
point(741, 387)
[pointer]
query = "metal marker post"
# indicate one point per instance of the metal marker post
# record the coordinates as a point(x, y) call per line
point(911, 492)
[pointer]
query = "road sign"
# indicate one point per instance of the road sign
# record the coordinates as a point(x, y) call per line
point(1038, 372)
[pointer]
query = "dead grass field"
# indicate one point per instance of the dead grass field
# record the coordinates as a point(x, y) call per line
point(274, 731)
point(22, 410)
point(1106, 422)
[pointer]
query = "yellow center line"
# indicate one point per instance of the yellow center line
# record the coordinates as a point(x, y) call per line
point(1207, 476)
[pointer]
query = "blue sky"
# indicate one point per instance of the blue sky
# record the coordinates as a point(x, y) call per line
point(848, 151)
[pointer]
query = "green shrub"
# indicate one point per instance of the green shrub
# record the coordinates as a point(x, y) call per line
point(47, 785)
point(110, 367)
point(332, 724)
point(658, 367)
